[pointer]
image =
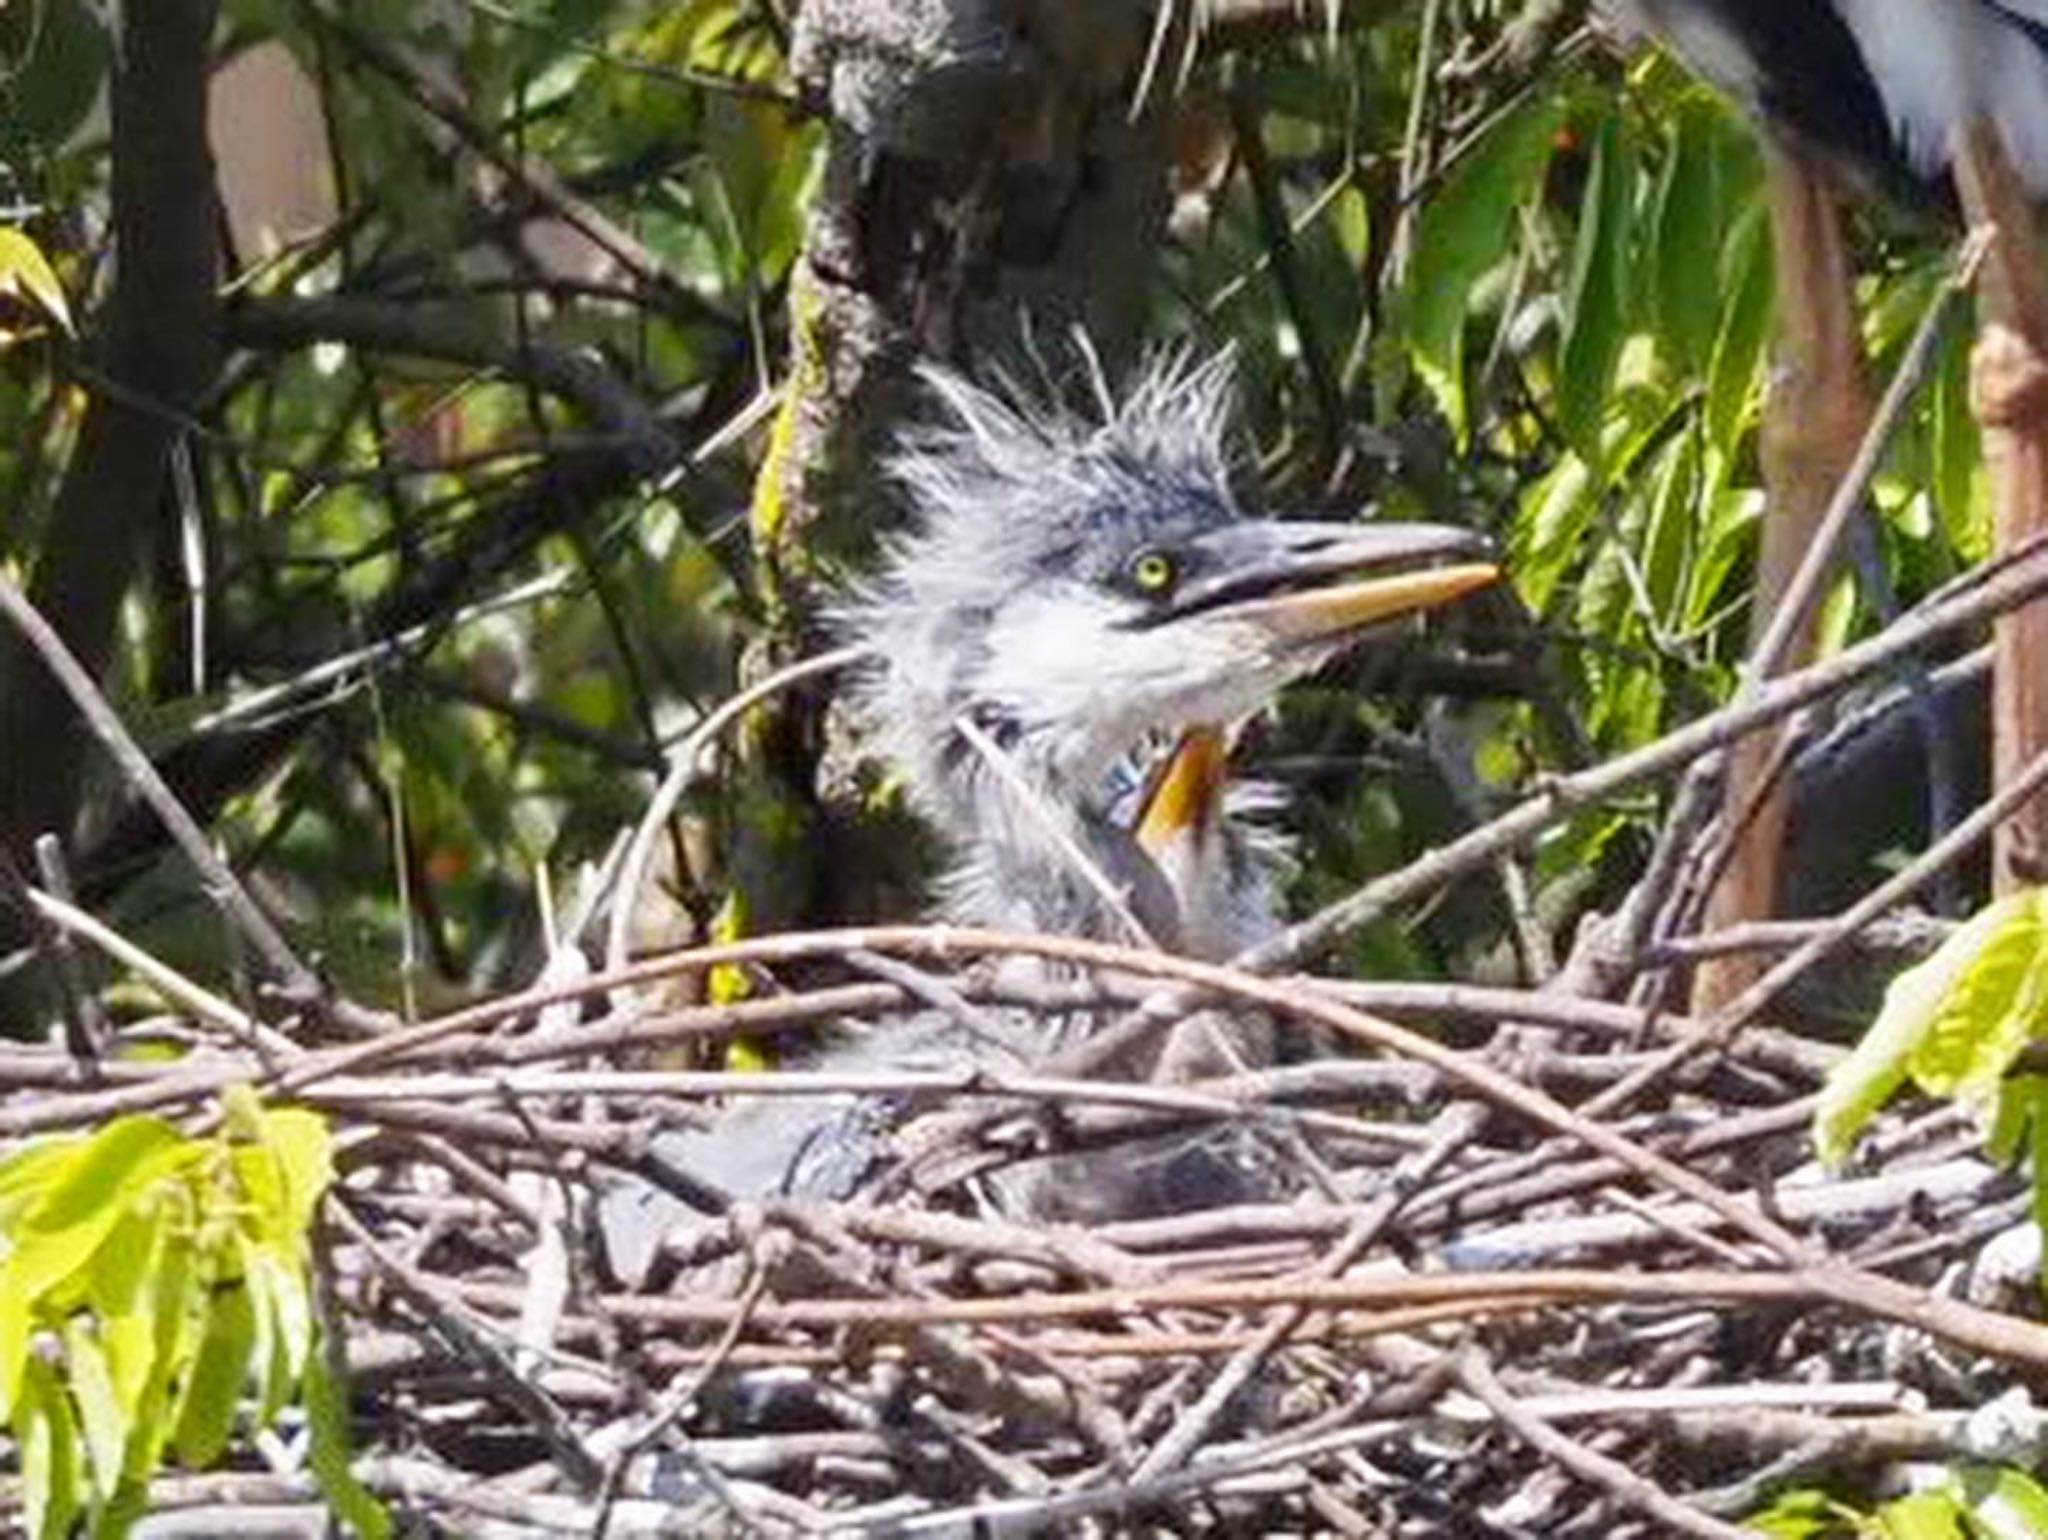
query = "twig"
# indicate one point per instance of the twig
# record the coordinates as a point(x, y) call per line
point(1637, 1492)
point(684, 768)
point(1887, 895)
point(2005, 584)
point(200, 1001)
point(220, 883)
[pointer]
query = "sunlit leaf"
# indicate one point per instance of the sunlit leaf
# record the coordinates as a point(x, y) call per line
point(1462, 232)
point(26, 273)
point(1938, 1018)
point(206, 1412)
point(327, 1422)
point(101, 1416)
point(1923, 1516)
point(86, 1198)
point(46, 1435)
point(2004, 1503)
point(1555, 516)
point(1595, 303)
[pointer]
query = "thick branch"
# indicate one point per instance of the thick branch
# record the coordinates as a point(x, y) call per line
point(162, 349)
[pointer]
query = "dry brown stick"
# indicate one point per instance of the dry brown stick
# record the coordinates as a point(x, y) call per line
point(1455, 1126)
point(1818, 407)
point(220, 883)
point(1520, 1182)
point(548, 1418)
point(1503, 1090)
point(1623, 1484)
point(1887, 895)
point(2009, 391)
point(1482, 1292)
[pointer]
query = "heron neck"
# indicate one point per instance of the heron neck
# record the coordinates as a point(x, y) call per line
point(1042, 851)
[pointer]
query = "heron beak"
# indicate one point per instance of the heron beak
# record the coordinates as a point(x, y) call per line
point(1303, 583)
point(1315, 614)
point(1186, 794)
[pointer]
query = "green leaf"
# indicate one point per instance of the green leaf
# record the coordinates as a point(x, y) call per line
point(1923, 1516)
point(46, 96)
point(121, 1291)
point(100, 1414)
point(175, 1293)
point(1596, 304)
point(17, 1331)
point(47, 1441)
point(1734, 371)
point(2003, 1503)
point(1667, 545)
point(327, 1424)
point(1934, 1016)
point(1686, 217)
point(87, 1195)
point(1461, 234)
point(1804, 1514)
point(303, 1148)
point(284, 1322)
point(206, 1414)
point(27, 274)
point(1550, 528)
point(1994, 1009)
point(1961, 490)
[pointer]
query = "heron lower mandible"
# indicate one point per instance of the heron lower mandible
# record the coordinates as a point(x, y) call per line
point(1073, 591)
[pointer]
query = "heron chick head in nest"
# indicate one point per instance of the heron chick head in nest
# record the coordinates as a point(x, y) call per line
point(1072, 587)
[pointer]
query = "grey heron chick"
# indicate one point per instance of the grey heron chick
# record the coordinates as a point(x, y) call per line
point(1071, 592)
point(1071, 588)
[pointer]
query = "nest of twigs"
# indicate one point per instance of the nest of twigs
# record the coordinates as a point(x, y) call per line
point(1522, 1262)
point(1468, 1309)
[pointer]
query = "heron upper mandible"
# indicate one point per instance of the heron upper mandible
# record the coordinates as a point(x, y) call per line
point(1072, 591)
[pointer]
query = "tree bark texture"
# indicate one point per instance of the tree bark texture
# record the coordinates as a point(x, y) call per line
point(159, 354)
point(984, 171)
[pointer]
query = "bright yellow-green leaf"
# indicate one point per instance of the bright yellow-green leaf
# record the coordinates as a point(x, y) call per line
point(46, 1436)
point(1934, 1015)
point(17, 1324)
point(100, 1414)
point(26, 1175)
point(1994, 1009)
point(26, 273)
point(304, 1151)
point(280, 1283)
point(120, 1292)
point(206, 1413)
point(87, 1195)
point(1923, 1516)
point(327, 1423)
point(177, 1292)
point(2005, 1504)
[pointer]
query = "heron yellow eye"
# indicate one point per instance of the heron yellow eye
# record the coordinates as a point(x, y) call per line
point(1153, 572)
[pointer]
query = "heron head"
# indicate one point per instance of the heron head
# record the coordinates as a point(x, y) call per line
point(1075, 585)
